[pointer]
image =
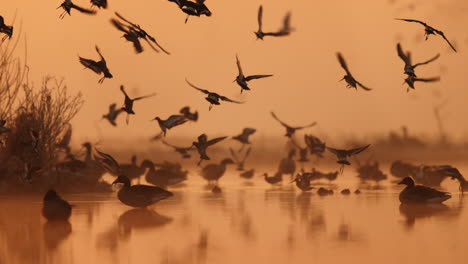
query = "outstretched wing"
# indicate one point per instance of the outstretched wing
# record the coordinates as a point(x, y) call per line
point(286, 23)
point(119, 25)
point(125, 93)
point(306, 126)
point(260, 18)
point(224, 98)
point(412, 20)
point(334, 150)
point(426, 62)
point(363, 87)
point(239, 68)
point(157, 44)
point(253, 77)
point(90, 64)
point(443, 35)
point(357, 150)
point(124, 19)
point(143, 97)
point(434, 79)
point(277, 119)
point(248, 131)
point(84, 10)
point(343, 63)
point(214, 141)
point(402, 55)
point(99, 52)
point(199, 89)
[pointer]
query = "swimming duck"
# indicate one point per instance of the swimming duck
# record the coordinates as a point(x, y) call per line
point(139, 195)
point(239, 162)
point(420, 194)
point(289, 129)
point(275, 179)
point(68, 5)
point(351, 82)
point(7, 30)
point(189, 115)
point(213, 172)
point(112, 115)
point(242, 80)
point(324, 192)
point(212, 98)
point(54, 208)
point(170, 122)
point(168, 173)
point(202, 144)
point(302, 182)
point(97, 66)
point(128, 102)
point(428, 30)
point(345, 192)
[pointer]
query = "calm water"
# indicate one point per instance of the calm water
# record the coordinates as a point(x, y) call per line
point(247, 223)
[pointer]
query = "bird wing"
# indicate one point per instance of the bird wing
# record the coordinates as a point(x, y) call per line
point(248, 131)
point(199, 89)
point(435, 79)
point(259, 18)
point(334, 150)
point(137, 45)
point(125, 93)
point(124, 19)
point(424, 192)
point(363, 87)
point(90, 64)
point(119, 25)
point(247, 153)
point(253, 77)
point(143, 97)
point(157, 44)
point(112, 108)
point(233, 154)
point(342, 62)
point(357, 150)
point(286, 23)
point(224, 98)
point(443, 35)
point(428, 61)
point(83, 10)
point(277, 119)
point(302, 127)
point(99, 52)
point(402, 55)
point(412, 20)
point(239, 68)
point(214, 141)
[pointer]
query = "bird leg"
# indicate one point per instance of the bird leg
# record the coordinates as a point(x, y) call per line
point(242, 148)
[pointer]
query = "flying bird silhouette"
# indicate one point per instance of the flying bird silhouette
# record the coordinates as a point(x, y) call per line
point(7, 30)
point(242, 80)
point(68, 5)
point(350, 80)
point(113, 113)
point(184, 151)
point(284, 31)
point(170, 122)
point(99, 3)
point(128, 103)
point(290, 131)
point(213, 98)
point(134, 32)
point(406, 57)
point(428, 30)
point(344, 154)
point(97, 66)
point(189, 115)
point(203, 143)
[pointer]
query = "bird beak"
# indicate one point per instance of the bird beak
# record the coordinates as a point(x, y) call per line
point(401, 182)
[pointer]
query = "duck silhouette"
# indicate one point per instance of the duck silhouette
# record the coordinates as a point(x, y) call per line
point(140, 196)
point(420, 194)
point(54, 208)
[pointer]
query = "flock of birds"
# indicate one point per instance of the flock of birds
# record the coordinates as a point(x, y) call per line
point(55, 208)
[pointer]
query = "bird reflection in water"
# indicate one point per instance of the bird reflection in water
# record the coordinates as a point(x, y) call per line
point(414, 211)
point(141, 219)
point(55, 232)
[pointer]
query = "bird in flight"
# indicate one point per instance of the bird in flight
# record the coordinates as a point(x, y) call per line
point(170, 122)
point(189, 115)
point(112, 115)
point(97, 66)
point(213, 98)
point(349, 78)
point(7, 30)
point(284, 31)
point(410, 80)
point(242, 80)
point(243, 137)
point(203, 143)
point(184, 151)
point(68, 5)
point(128, 103)
point(406, 57)
point(344, 154)
point(134, 33)
point(428, 30)
point(190, 8)
point(290, 131)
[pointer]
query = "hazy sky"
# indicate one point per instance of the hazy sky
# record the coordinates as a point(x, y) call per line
point(305, 87)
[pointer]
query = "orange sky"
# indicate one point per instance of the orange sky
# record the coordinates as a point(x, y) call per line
point(305, 87)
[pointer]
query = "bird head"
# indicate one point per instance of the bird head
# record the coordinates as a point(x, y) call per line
point(407, 181)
